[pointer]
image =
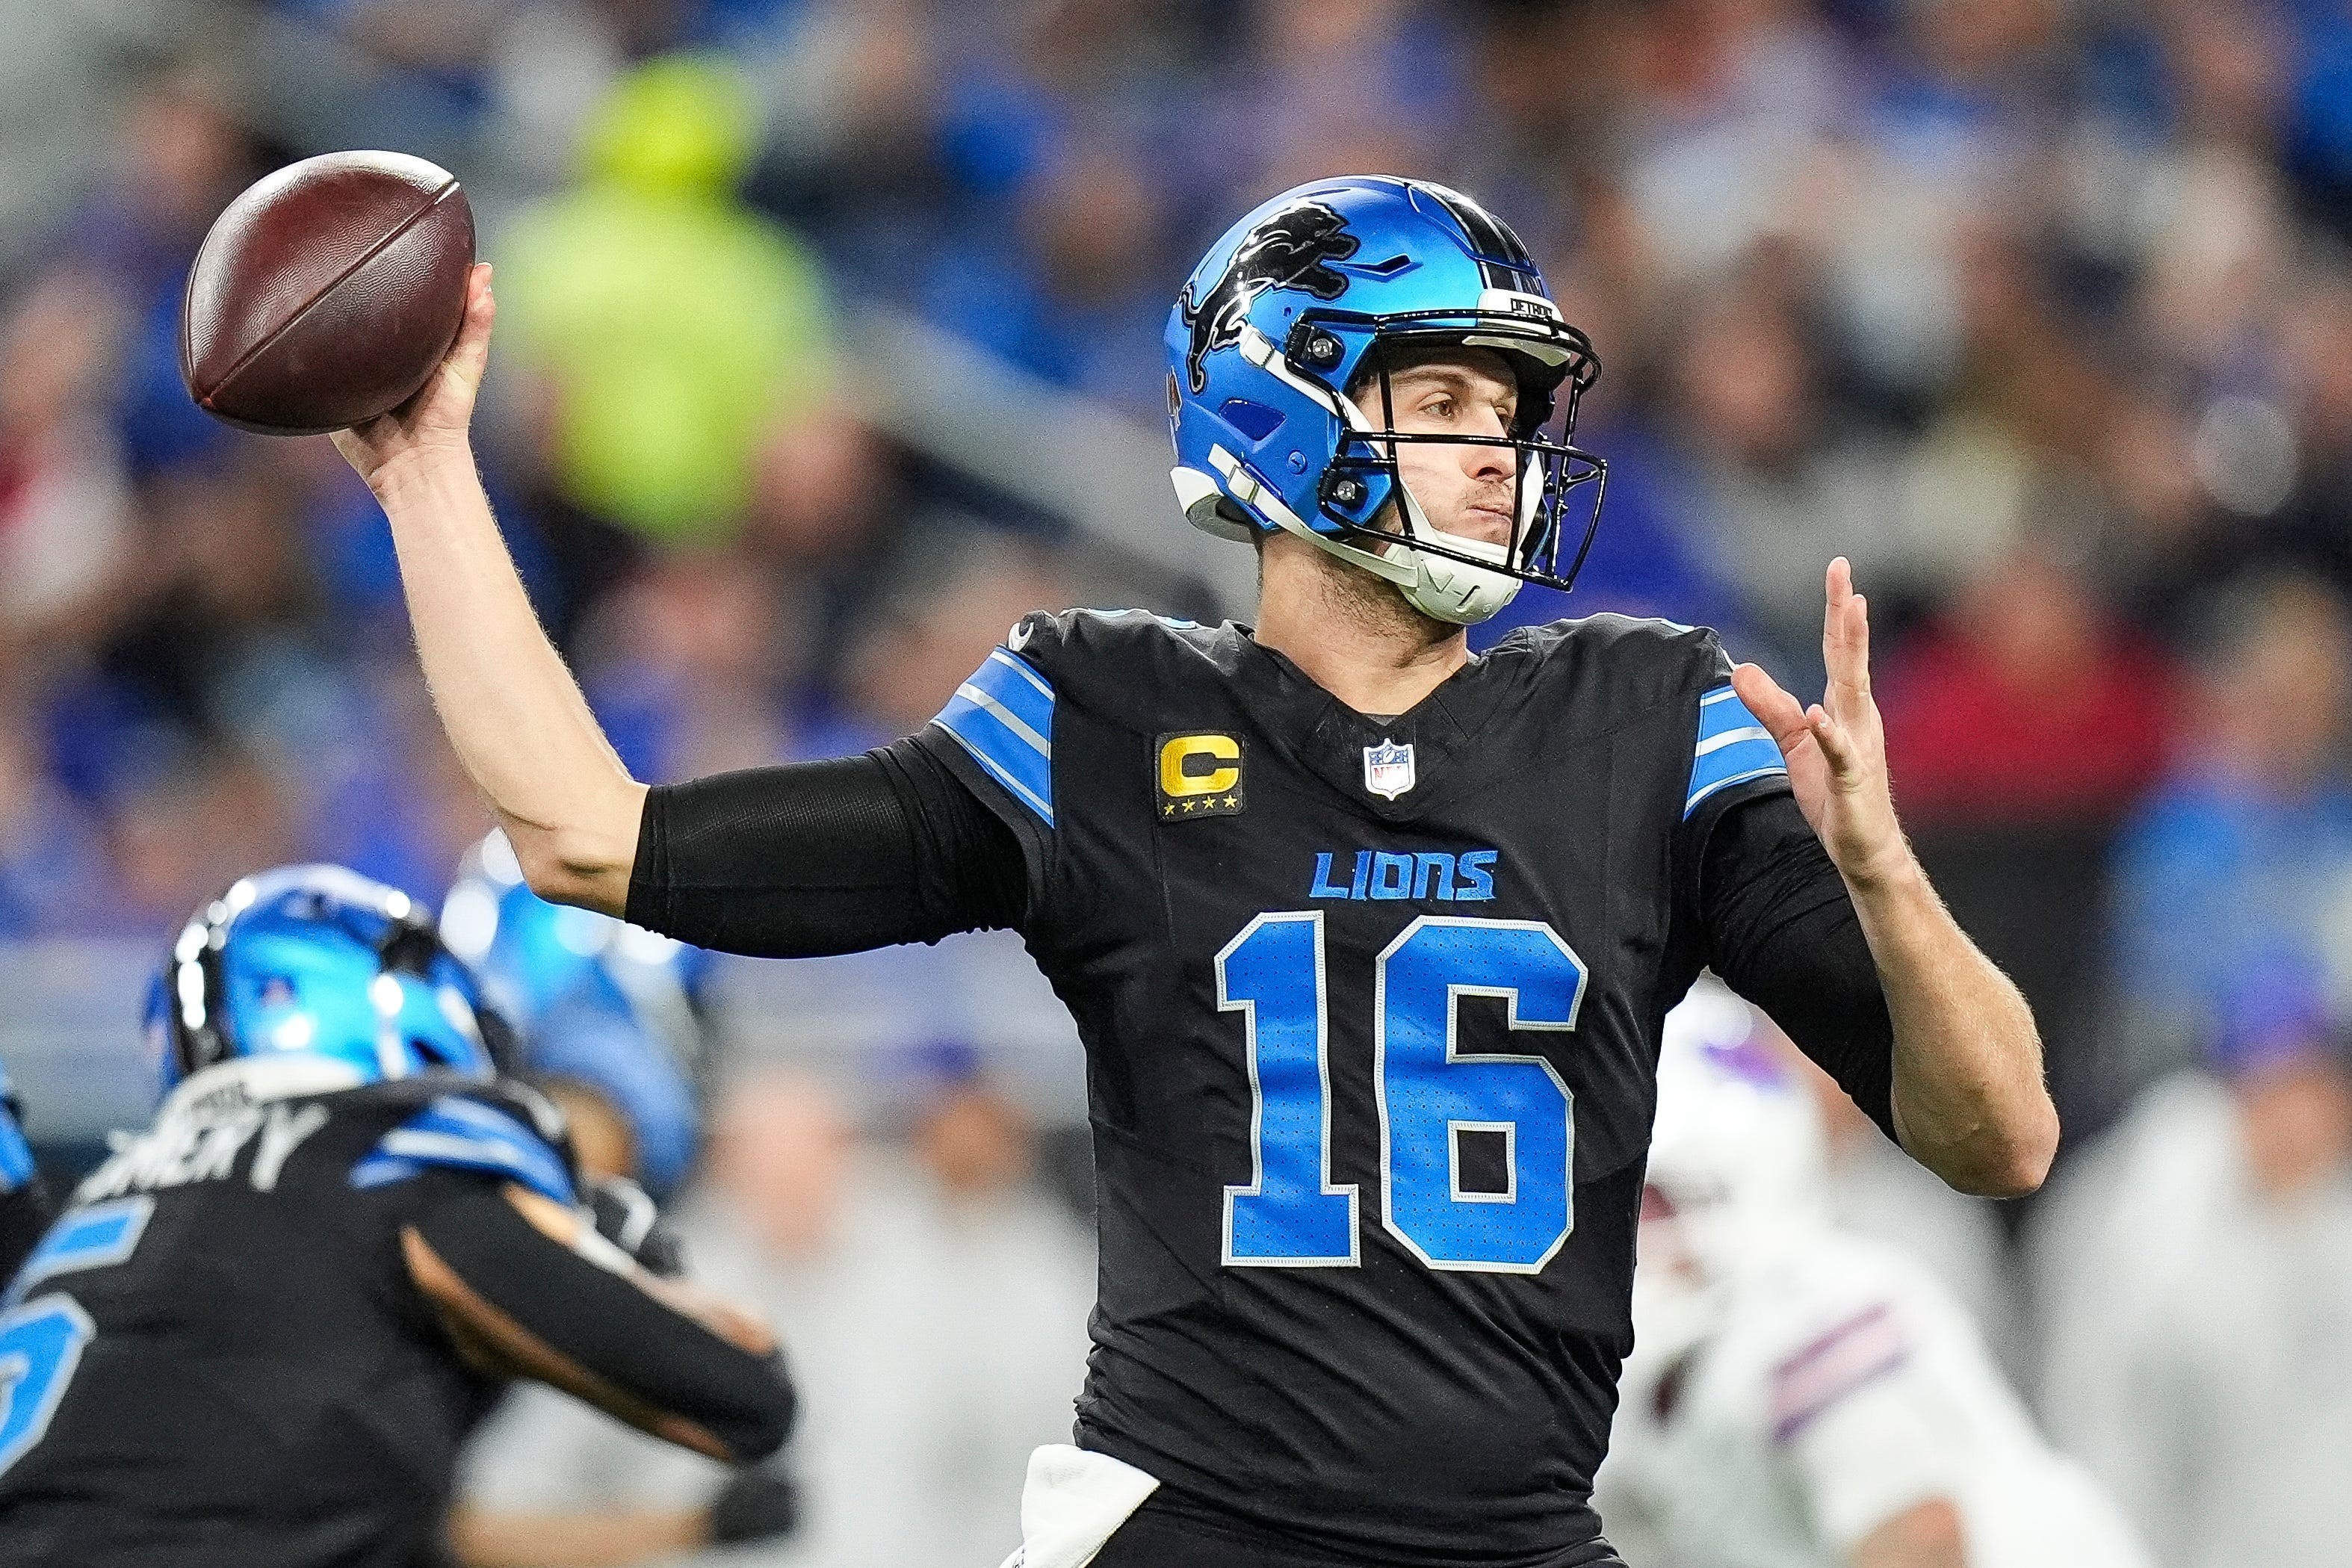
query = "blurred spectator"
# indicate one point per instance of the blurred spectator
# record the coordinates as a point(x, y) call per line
point(2021, 726)
point(692, 668)
point(179, 153)
point(2243, 856)
point(65, 501)
point(1778, 488)
point(933, 1310)
point(676, 325)
point(53, 874)
point(2195, 1280)
point(954, 605)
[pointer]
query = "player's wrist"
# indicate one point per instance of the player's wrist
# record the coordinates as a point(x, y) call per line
point(1881, 868)
point(419, 469)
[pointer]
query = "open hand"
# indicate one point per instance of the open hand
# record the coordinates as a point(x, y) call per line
point(1836, 749)
point(436, 419)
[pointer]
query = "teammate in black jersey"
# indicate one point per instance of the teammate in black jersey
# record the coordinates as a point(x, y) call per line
point(258, 1332)
point(1369, 939)
point(607, 1027)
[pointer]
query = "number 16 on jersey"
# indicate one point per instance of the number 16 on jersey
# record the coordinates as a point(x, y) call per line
point(1430, 1099)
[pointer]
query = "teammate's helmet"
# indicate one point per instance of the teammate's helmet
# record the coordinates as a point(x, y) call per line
point(1309, 293)
point(320, 961)
point(593, 1000)
point(1737, 1152)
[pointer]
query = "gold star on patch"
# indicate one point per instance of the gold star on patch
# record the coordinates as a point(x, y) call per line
point(1232, 804)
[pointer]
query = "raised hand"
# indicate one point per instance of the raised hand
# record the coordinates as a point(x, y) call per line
point(436, 419)
point(1836, 749)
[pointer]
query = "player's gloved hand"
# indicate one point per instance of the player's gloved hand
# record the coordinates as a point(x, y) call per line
point(627, 1218)
point(759, 1504)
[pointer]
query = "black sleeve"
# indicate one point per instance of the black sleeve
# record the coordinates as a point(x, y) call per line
point(25, 1206)
point(1781, 930)
point(597, 1333)
point(814, 858)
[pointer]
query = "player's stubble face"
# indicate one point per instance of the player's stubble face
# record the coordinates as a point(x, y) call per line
point(1469, 491)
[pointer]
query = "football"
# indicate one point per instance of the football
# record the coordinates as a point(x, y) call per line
point(326, 292)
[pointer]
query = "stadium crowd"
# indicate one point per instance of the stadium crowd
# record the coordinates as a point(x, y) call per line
point(2040, 310)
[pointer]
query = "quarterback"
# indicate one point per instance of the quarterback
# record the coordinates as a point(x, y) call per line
point(1369, 939)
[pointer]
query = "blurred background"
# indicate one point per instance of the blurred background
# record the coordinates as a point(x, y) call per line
point(829, 343)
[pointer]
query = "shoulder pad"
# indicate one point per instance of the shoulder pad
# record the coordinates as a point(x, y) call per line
point(1047, 640)
point(1620, 665)
point(1641, 648)
point(461, 1133)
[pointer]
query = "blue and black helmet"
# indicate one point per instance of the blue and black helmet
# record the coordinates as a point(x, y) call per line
point(321, 962)
point(1319, 289)
point(593, 1000)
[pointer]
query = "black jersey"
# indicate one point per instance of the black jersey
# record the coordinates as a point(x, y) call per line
point(226, 1360)
point(221, 1353)
point(1371, 1012)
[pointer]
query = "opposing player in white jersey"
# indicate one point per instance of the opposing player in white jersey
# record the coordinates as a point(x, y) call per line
point(1801, 1397)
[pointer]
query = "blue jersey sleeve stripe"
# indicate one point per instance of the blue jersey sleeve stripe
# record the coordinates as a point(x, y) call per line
point(1732, 747)
point(1692, 804)
point(1714, 743)
point(1003, 753)
point(466, 1136)
point(1738, 758)
point(1004, 716)
point(1021, 669)
point(1018, 690)
point(1721, 711)
point(531, 1158)
point(16, 1154)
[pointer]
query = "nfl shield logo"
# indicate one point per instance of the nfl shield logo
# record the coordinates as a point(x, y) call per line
point(1388, 768)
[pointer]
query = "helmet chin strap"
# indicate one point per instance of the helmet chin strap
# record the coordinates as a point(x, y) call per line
point(1441, 587)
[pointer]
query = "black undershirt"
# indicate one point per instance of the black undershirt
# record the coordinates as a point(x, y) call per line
point(814, 858)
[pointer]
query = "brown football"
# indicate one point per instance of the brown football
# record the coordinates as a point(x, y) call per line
point(327, 293)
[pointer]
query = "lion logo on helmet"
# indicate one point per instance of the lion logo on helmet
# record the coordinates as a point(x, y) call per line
point(1291, 249)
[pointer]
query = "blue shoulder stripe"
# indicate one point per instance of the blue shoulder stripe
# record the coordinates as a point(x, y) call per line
point(466, 1135)
point(16, 1154)
point(1732, 748)
point(1004, 716)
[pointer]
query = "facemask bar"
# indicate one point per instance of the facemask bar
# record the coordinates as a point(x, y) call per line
point(1545, 469)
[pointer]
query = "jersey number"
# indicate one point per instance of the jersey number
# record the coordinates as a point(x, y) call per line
point(41, 1341)
point(1431, 1101)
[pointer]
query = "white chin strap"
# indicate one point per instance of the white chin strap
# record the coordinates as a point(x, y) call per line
point(1438, 586)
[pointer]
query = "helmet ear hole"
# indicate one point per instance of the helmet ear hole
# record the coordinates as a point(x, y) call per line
point(1253, 420)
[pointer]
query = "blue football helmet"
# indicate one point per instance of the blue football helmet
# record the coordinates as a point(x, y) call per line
point(320, 961)
point(593, 1000)
point(1316, 289)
